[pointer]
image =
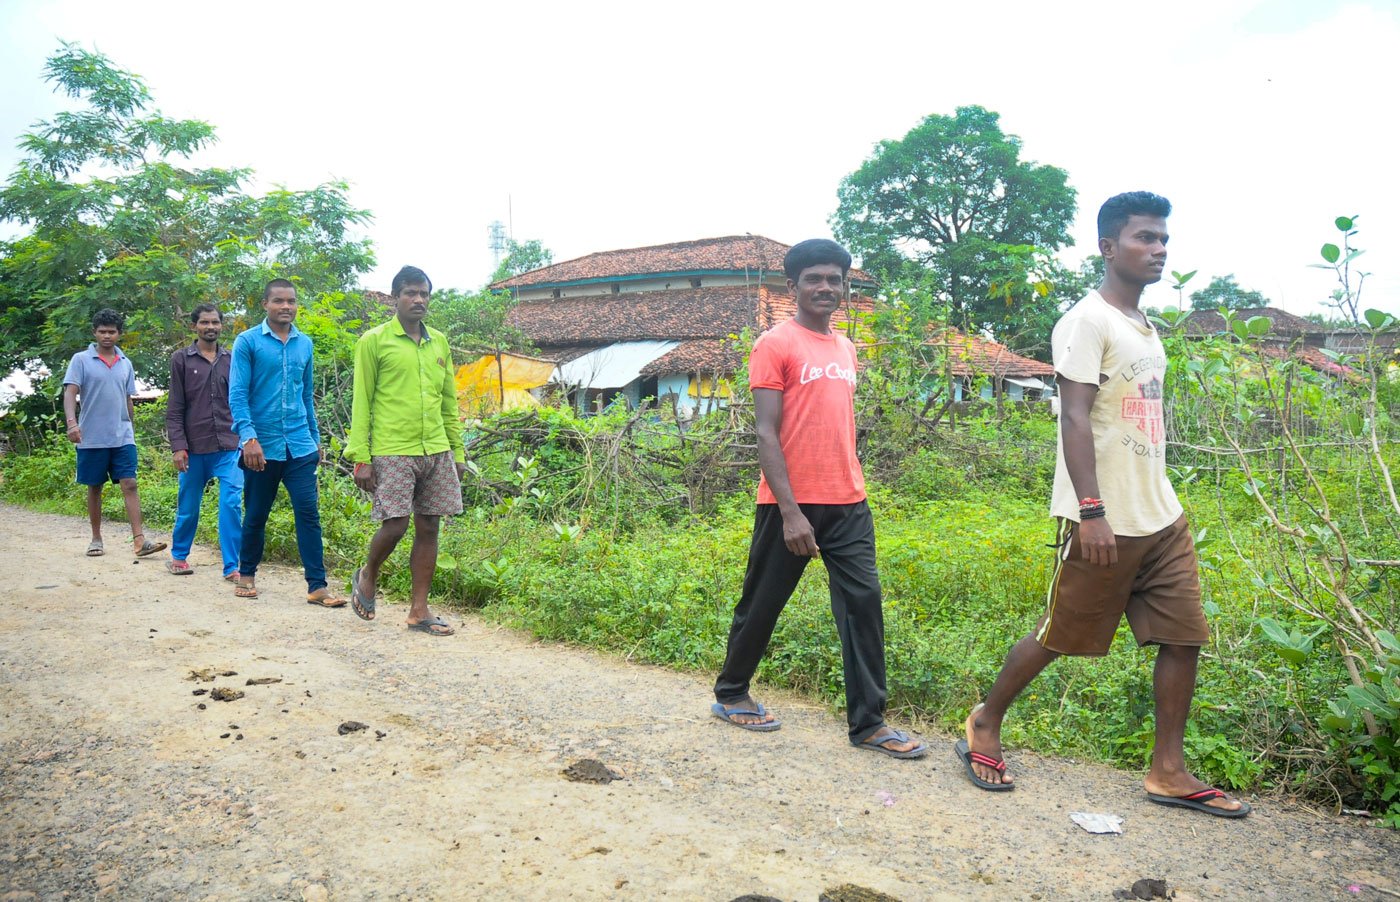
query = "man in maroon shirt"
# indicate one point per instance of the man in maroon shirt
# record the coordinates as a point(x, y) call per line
point(203, 443)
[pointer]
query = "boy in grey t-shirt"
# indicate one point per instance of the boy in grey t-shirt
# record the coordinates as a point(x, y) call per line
point(104, 379)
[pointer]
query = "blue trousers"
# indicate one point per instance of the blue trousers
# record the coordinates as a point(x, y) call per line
point(223, 466)
point(260, 490)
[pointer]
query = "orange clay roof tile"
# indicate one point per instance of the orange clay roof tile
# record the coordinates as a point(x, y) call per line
point(732, 253)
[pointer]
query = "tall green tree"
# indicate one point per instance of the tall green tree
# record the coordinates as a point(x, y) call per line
point(113, 214)
point(1224, 291)
point(477, 322)
point(521, 257)
point(954, 198)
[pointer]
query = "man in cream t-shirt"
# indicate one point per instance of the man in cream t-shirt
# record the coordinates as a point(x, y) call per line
point(1123, 545)
point(1092, 340)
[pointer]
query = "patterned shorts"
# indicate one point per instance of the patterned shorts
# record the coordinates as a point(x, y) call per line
point(426, 485)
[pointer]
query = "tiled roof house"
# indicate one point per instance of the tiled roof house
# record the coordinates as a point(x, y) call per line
point(1289, 336)
point(657, 321)
point(1010, 375)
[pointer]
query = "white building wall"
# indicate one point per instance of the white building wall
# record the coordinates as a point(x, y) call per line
point(774, 279)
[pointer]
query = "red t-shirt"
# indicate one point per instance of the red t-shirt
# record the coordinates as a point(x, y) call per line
point(817, 376)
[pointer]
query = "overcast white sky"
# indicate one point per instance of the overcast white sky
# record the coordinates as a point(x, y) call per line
point(613, 125)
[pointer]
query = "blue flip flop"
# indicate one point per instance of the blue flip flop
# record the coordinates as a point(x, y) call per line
point(727, 715)
point(364, 607)
point(426, 626)
point(918, 751)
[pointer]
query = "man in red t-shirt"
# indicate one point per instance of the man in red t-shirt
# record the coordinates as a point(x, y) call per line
point(811, 503)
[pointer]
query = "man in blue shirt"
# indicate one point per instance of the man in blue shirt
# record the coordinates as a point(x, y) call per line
point(104, 378)
point(270, 395)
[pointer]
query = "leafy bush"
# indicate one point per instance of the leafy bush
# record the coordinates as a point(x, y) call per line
point(629, 531)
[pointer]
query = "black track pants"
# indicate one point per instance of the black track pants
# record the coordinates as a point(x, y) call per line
point(846, 535)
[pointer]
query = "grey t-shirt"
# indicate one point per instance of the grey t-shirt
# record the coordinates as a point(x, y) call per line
point(102, 396)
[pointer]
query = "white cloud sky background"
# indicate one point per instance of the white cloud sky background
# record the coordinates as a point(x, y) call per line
point(623, 124)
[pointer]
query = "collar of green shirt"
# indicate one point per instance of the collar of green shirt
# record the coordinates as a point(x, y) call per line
point(396, 327)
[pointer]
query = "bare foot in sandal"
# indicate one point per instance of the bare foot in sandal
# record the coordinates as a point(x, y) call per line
point(745, 713)
point(984, 753)
point(243, 587)
point(144, 547)
point(324, 598)
point(433, 626)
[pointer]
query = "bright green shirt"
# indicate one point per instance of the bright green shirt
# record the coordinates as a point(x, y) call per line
point(405, 400)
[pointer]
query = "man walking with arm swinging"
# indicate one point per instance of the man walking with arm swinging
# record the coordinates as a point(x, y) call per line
point(271, 397)
point(1124, 547)
point(202, 442)
point(104, 380)
point(406, 444)
point(811, 503)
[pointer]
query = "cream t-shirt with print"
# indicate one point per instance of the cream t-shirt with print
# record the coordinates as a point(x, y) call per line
point(1095, 338)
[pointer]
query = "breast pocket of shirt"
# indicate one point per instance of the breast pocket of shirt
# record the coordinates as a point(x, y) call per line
point(435, 367)
point(303, 355)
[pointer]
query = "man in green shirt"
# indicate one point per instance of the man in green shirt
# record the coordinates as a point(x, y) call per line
point(406, 444)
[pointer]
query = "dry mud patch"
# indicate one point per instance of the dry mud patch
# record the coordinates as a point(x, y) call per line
point(116, 780)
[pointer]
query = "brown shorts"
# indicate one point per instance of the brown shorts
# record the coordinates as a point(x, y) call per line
point(426, 485)
point(1155, 583)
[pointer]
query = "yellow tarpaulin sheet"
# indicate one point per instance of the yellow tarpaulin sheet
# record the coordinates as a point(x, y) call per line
point(487, 385)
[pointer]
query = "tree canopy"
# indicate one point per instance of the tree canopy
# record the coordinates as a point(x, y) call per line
point(113, 214)
point(952, 203)
point(522, 257)
point(1224, 291)
point(477, 322)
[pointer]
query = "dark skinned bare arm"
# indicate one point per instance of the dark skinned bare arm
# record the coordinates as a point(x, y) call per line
point(797, 531)
point(1076, 400)
point(70, 413)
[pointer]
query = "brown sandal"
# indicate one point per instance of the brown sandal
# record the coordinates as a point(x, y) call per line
point(324, 598)
point(244, 590)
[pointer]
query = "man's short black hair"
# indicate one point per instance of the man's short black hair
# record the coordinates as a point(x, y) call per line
point(202, 309)
point(815, 252)
point(409, 275)
point(108, 317)
point(1114, 213)
point(277, 283)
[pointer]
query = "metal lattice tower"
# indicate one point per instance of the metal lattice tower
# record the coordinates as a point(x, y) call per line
point(497, 241)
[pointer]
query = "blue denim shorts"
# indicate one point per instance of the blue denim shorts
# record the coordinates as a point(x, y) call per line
point(99, 465)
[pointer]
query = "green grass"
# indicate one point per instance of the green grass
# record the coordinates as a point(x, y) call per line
point(963, 560)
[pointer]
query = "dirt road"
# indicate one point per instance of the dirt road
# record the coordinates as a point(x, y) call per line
point(117, 780)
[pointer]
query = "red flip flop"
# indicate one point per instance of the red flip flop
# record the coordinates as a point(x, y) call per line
point(969, 757)
point(1196, 801)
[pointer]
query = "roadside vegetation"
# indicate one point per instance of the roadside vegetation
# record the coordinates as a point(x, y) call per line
point(628, 532)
